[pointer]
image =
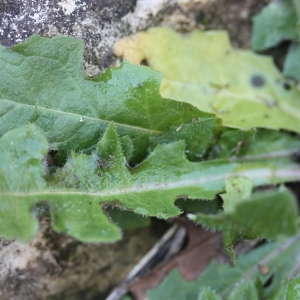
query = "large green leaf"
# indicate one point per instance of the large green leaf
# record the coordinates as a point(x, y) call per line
point(87, 183)
point(242, 88)
point(42, 82)
point(273, 262)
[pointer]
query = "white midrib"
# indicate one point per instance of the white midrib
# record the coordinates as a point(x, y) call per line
point(291, 173)
point(82, 118)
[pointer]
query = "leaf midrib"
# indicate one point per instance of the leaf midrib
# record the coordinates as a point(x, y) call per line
point(258, 173)
point(86, 118)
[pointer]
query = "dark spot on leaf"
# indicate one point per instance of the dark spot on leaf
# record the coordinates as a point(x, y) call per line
point(257, 81)
point(287, 86)
point(144, 62)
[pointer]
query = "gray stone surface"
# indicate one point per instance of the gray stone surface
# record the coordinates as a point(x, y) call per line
point(101, 22)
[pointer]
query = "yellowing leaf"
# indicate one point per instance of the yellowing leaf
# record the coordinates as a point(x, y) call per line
point(243, 88)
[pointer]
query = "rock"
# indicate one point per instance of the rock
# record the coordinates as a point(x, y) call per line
point(101, 22)
point(55, 266)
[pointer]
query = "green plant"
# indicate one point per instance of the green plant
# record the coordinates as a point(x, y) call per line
point(79, 145)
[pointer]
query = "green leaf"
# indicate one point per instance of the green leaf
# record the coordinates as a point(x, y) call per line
point(237, 189)
point(126, 298)
point(246, 290)
point(198, 136)
point(254, 145)
point(87, 183)
point(208, 294)
point(174, 287)
point(268, 214)
point(233, 143)
point(292, 62)
point(42, 82)
point(21, 169)
point(272, 144)
point(293, 290)
point(242, 88)
point(274, 24)
point(278, 260)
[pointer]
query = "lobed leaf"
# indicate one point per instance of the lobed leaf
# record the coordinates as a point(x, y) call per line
point(242, 88)
point(42, 82)
point(79, 191)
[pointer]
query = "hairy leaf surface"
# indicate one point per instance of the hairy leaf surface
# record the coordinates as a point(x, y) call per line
point(87, 183)
point(293, 290)
point(42, 82)
point(208, 294)
point(264, 214)
point(21, 170)
point(242, 88)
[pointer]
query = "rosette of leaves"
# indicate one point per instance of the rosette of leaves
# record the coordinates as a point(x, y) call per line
point(43, 84)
